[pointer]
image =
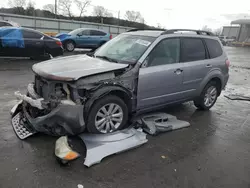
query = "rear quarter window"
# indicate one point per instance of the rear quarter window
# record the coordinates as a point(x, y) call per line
point(31, 35)
point(214, 48)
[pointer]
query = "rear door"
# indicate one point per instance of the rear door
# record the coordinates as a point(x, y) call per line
point(196, 64)
point(11, 42)
point(160, 81)
point(34, 44)
point(97, 37)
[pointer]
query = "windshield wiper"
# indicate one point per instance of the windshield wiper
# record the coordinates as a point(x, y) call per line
point(107, 58)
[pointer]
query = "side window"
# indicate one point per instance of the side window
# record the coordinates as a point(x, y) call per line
point(31, 35)
point(97, 33)
point(192, 49)
point(166, 52)
point(85, 32)
point(214, 48)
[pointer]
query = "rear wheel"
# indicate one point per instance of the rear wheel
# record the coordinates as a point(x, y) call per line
point(69, 46)
point(208, 96)
point(107, 115)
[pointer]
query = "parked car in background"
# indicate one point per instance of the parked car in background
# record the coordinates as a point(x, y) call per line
point(84, 38)
point(23, 42)
point(226, 40)
point(5, 23)
point(136, 72)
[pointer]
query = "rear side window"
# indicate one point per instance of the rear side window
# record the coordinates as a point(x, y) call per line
point(97, 33)
point(214, 48)
point(192, 49)
point(31, 35)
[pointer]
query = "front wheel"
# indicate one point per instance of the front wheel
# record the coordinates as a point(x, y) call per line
point(107, 115)
point(208, 96)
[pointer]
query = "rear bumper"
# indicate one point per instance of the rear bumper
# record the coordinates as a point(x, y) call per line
point(65, 119)
point(57, 51)
point(226, 78)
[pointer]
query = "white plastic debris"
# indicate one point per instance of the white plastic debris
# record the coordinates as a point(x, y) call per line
point(35, 103)
point(80, 186)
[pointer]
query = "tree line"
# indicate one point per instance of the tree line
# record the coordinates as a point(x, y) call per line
point(64, 10)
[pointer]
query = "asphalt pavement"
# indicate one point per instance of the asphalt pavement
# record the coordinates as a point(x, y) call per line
point(213, 152)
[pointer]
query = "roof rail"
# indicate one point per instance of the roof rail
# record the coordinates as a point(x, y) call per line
point(199, 32)
point(151, 29)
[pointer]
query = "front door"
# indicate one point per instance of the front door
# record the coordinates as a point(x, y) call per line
point(160, 79)
point(83, 39)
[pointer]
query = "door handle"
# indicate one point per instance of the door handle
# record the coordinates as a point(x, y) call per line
point(178, 71)
point(208, 66)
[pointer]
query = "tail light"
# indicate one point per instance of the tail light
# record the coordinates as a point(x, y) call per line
point(59, 43)
point(227, 63)
point(110, 36)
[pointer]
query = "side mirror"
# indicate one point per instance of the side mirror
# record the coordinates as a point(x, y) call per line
point(79, 34)
point(145, 63)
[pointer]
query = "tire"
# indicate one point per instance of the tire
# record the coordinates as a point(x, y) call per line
point(69, 46)
point(106, 102)
point(201, 102)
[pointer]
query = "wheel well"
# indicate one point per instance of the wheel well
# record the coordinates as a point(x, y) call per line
point(218, 83)
point(124, 96)
point(68, 41)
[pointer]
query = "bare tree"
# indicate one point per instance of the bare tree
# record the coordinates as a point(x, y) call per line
point(82, 5)
point(218, 31)
point(50, 8)
point(206, 28)
point(18, 4)
point(100, 11)
point(65, 7)
point(30, 10)
point(133, 16)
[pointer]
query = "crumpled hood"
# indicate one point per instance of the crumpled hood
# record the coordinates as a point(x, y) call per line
point(74, 67)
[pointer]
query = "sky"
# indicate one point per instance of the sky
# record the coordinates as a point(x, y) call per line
point(191, 14)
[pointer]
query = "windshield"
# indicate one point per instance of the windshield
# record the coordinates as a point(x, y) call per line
point(74, 32)
point(125, 48)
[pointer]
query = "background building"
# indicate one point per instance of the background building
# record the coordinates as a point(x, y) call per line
point(230, 31)
point(244, 31)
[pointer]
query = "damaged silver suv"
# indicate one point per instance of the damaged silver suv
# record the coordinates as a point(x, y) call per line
point(137, 71)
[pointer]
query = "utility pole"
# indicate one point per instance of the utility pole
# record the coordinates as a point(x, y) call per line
point(55, 8)
point(118, 18)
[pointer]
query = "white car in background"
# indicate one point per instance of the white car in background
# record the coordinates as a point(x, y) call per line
point(6, 23)
point(227, 39)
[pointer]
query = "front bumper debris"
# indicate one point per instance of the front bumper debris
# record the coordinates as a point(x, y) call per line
point(156, 123)
point(20, 128)
point(63, 151)
point(65, 119)
point(102, 145)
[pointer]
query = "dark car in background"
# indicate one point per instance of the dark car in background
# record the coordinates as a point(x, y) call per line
point(23, 42)
point(84, 38)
